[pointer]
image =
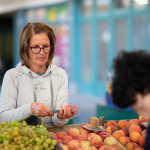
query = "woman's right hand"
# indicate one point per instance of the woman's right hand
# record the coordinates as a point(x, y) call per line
point(40, 110)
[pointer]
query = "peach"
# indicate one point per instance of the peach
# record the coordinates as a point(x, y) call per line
point(59, 141)
point(139, 148)
point(126, 131)
point(60, 135)
point(66, 139)
point(109, 148)
point(90, 135)
point(118, 134)
point(91, 148)
point(74, 144)
point(135, 136)
point(142, 120)
point(96, 141)
point(82, 149)
point(102, 147)
point(110, 141)
point(84, 131)
point(111, 129)
point(103, 135)
point(80, 137)
point(135, 128)
point(65, 147)
point(84, 144)
point(116, 147)
point(53, 135)
point(123, 124)
point(142, 141)
point(140, 117)
point(143, 132)
point(111, 123)
point(131, 146)
point(124, 140)
point(73, 132)
point(133, 122)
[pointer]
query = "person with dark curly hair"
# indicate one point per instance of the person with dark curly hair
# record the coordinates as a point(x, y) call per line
point(131, 83)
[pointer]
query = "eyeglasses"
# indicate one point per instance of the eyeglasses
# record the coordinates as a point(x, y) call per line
point(37, 50)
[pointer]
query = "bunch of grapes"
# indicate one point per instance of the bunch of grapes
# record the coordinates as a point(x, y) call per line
point(20, 136)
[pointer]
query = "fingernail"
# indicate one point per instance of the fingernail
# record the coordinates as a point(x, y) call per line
point(74, 106)
point(68, 106)
point(52, 114)
point(61, 106)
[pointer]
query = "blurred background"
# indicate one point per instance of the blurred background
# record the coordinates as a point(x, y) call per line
point(89, 34)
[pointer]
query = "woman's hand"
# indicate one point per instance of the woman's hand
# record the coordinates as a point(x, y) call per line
point(40, 110)
point(67, 114)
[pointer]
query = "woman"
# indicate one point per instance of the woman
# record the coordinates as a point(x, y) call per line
point(131, 83)
point(36, 86)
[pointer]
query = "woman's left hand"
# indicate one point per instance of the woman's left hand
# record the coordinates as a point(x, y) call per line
point(67, 114)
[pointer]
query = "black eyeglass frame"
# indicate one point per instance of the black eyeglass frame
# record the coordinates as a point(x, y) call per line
point(40, 49)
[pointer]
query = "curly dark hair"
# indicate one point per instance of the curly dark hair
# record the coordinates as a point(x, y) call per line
point(131, 76)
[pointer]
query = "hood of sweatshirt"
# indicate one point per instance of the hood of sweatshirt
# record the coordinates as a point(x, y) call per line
point(26, 70)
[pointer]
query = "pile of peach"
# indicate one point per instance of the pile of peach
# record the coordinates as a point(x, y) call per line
point(84, 139)
point(131, 134)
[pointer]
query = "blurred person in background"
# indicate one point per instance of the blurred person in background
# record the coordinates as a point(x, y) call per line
point(36, 86)
point(131, 83)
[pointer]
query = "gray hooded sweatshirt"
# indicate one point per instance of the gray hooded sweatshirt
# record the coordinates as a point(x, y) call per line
point(21, 87)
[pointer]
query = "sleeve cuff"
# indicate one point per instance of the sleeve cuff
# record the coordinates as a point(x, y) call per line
point(27, 110)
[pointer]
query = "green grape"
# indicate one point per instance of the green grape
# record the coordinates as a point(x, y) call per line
point(4, 134)
point(47, 148)
point(45, 145)
point(54, 142)
point(41, 147)
point(27, 143)
point(9, 137)
point(40, 141)
point(3, 123)
point(16, 128)
point(52, 147)
point(36, 148)
point(49, 141)
point(42, 126)
point(33, 127)
point(6, 142)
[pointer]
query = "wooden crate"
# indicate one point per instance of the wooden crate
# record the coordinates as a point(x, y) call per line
point(64, 128)
point(103, 122)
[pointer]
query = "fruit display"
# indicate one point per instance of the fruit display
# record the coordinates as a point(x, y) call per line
point(82, 139)
point(21, 136)
point(131, 134)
